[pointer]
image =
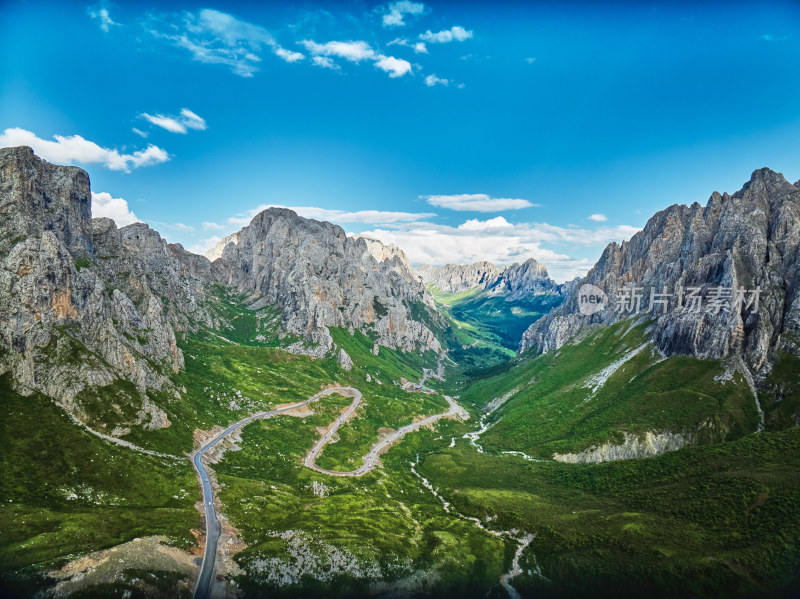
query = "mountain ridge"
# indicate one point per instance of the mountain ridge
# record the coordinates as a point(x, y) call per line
point(746, 241)
point(86, 304)
point(515, 281)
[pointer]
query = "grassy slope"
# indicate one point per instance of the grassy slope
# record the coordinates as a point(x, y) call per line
point(552, 407)
point(720, 516)
point(384, 517)
point(223, 382)
point(66, 492)
point(716, 519)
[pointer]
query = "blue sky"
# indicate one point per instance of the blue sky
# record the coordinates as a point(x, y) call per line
point(458, 131)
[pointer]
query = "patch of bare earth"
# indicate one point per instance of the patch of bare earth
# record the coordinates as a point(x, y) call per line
point(300, 412)
point(151, 554)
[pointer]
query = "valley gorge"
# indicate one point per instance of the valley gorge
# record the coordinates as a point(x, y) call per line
point(550, 453)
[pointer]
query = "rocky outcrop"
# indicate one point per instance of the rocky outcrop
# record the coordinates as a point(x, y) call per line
point(322, 278)
point(516, 281)
point(453, 278)
point(388, 253)
point(84, 304)
point(216, 251)
point(344, 360)
point(747, 241)
point(646, 445)
point(526, 279)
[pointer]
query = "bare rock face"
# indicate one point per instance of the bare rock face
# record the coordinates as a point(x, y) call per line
point(454, 278)
point(515, 281)
point(216, 251)
point(649, 444)
point(749, 240)
point(36, 196)
point(322, 278)
point(80, 301)
point(344, 360)
point(526, 279)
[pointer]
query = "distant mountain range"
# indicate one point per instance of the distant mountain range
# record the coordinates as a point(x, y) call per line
point(515, 281)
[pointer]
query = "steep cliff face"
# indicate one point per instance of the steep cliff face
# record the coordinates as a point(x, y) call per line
point(81, 301)
point(748, 241)
point(526, 279)
point(320, 278)
point(216, 251)
point(453, 278)
point(516, 281)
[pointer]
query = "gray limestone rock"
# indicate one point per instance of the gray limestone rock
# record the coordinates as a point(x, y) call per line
point(344, 360)
point(80, 300)
point(453, 278)
point(322, 278)
point(749, 240)
point(515, 282)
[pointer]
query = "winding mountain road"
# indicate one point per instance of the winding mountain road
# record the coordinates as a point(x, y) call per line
point(213, 527)
point(371, 458)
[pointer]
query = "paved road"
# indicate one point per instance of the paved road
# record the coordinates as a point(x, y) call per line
point(371, 458)
point(213, 527)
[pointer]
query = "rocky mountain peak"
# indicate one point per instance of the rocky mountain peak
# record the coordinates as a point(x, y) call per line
point(454, 278)
point(515, 281)
point(82, 303)
point(217, 250)
point(746, 244)
point(36, 196)
point(528, 278)
point(322, 278)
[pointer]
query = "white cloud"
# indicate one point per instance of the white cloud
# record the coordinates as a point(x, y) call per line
point(177, 124)
point(326, 62)
point(598, 218)
point(114, 208)
point(352, 51)
point(398, 10)
point(215, 37)
point(372, 217)
point(288, 55)
point(355, 52)
point(100, 12)
point(457, 33)
point(418, 47)
point(207, 226)
point(139, 132)
point(192, 121)
point(769, 37)
point(473, 224)
point(396, 67)
point(500, 242)
point(432, 80)
point(75, 148)
point(530, 60)
point(477, 202)
point(165, 122)
point(202, 246)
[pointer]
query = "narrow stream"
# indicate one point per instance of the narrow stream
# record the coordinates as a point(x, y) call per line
point(522, 541)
